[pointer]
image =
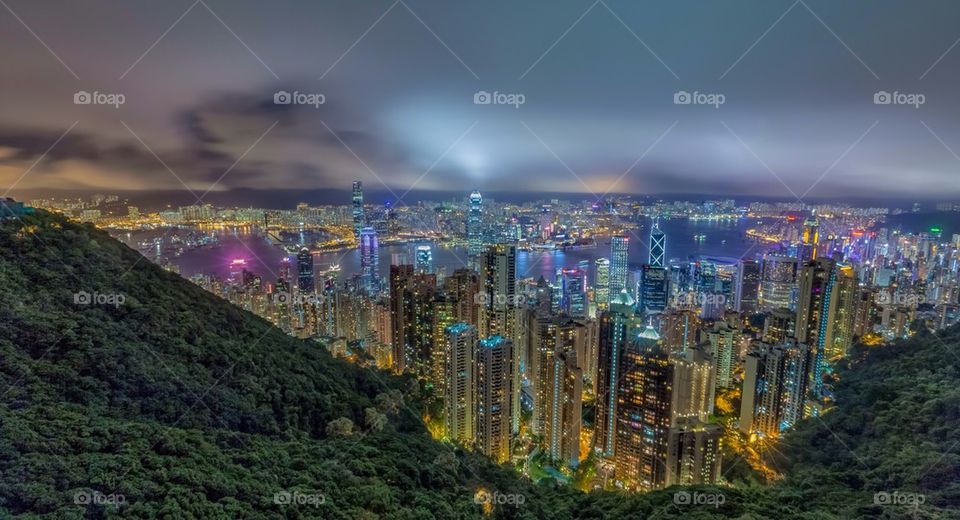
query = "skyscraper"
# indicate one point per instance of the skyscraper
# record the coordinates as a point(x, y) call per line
point(474, 229)
point(693, 453)
point(305, 271)
point(423, 260)
point(815, 307)
point(644, 414)
point(774, 387)
point(411, 305)
point(616, 327)
point(601, 283)
point(653, 289)
point(573, 290)
point(747, 291)
point(358, 218)
point(460, 385)
point(564, 409)
point(693, 385)
point(811, 237)
point(369, 260)
point(658, 245)
point(619, 248)
point(779, 277)
point(495, 389)
point(498, 312)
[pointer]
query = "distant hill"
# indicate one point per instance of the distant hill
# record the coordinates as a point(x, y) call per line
point(128, 392)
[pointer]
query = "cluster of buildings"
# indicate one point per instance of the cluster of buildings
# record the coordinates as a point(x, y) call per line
point(646, 352)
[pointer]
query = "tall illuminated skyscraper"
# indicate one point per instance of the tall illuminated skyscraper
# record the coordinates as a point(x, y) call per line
point(601, 284)
point(369, 260)
point(358, 218)
point(619, 248)
point(460, 384)
point(654, 289)
point(747, 289)
point(305, 270)
point(475, 228)
point(774, 387)
point(815, 306)
point(811, 237)
point(778, 279)
point(644, 414)
point(693, 453)
point(658, 245)
point(495, 389)
point(616, 328)
point(423, 260)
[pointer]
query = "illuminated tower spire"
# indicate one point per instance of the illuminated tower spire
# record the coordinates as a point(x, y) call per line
point(658, 245)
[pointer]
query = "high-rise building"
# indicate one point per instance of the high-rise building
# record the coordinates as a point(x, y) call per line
point(778, 281)
point(358, 217)
point(617, 326)
point(474, 229)
point(464, 286)
point(563, 409)
point(844, 313)
point(601, 283)
point(423, 259)
point(774, 387)
point(747, 292)
point(619, 248)
point(573, 291)
point(442, 316)
point(679, 329)
point(460, 384)
point(305, 271)
point(811, 238)
point(369, 260)
point(494, 397)
point(816, 305)
point(411, 305)
point(654, 289)
point(658, 245)
point(693, 385)
point(693, 454)
point(723, 340)
point(644, 414)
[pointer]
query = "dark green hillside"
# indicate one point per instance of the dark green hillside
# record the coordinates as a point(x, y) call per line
point(191, 408)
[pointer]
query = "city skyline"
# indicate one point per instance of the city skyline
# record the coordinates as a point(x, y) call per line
point(610, 99)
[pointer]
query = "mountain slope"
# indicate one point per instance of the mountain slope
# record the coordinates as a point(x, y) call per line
point(188, 407)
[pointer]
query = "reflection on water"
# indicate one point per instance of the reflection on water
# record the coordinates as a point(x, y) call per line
point(719, 238)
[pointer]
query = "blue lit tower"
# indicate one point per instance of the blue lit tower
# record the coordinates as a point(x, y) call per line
point(305, 270)
point(423, 260)
point(474, 228)
point(358, 217)
point(619, 246)
point(658, 245)
point(369, 260)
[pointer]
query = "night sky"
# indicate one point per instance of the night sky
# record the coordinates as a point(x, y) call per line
point(598, 80)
